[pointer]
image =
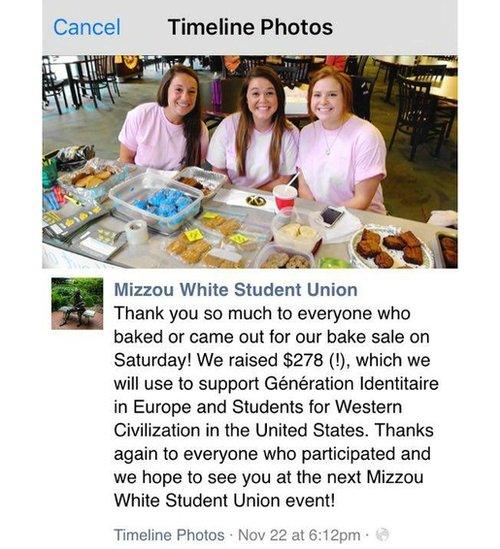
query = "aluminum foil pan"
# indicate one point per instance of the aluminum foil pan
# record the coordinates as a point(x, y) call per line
point(362, 263)
point(210, 181)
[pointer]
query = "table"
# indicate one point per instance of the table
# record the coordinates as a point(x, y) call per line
point(395, 63)
point(441, 88)
point(152, 254)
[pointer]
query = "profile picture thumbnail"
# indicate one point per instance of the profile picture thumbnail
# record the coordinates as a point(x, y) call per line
point(77, 303)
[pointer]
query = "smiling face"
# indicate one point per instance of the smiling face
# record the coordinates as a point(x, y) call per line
point(327, 102)
point(262, 101)
point(182, 94)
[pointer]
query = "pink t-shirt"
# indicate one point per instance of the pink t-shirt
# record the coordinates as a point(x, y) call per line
point(357, 152)
point(222, 153)
point(156, 141)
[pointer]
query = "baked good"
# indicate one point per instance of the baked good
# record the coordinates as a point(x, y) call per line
point(450, 258)
point(104, 174)
point(413, 255)
point(393, 242)
point(410, 239)
point(368, 248)
point(370, 235)
point(213, 222)
point(179, 245)
point(298, 262)
point(192, 254)
point(383, 260)
point(448, 243)
point(228, 227)
point(93, 182)
point(276, 261)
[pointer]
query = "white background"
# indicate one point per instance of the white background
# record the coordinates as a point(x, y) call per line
point(56, 390)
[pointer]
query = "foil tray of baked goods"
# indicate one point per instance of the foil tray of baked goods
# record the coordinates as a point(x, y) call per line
point(205, 181)
point(388, 247)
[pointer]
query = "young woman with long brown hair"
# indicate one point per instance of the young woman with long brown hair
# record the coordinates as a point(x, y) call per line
point(257, 146)
point(169, 133)
point(341, 157)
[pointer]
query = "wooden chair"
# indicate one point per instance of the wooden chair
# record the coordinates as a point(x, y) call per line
point(416, 116)
point(111, 73)
point(362, 89)
point(93, 78)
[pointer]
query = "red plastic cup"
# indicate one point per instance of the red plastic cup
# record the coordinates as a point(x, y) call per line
point(285, 196)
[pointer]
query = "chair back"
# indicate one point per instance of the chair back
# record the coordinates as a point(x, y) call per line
point(361, 64)
point(362, 89)
point(249, 62)
point(431, 71)
point(351, 65)
point(48, 75)
point(414, 103)
point(298, 73)
point(94, 68)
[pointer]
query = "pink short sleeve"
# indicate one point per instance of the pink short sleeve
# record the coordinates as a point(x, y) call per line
point(130, 128)
point(204, 141)
point(369, 159)
point(217, 149)
point(290, 149)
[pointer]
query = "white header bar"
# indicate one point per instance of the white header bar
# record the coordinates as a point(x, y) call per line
point(219, 27)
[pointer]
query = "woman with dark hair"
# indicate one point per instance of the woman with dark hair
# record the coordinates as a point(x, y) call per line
point(168, 134)
point(257, 146)
point(341, 157)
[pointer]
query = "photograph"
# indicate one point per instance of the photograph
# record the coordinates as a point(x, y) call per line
point(272, 161)
point(77, 303)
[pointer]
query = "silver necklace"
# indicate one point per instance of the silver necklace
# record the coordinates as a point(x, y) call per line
point(328, 146)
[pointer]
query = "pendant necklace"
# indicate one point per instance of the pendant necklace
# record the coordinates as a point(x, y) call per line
point(329, 147)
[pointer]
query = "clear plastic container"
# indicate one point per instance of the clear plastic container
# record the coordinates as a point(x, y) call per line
point(305, 229)
point(270, 249)
point(141, 187)
point(210, 181)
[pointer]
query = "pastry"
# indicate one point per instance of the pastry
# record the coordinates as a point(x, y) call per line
point(368, 248)
point(276, 261)
point(194, 252)
point(179, 245)
point(370, 235)
point(228, 227)
point(298, 262)
point(213, 222)
point(103, 175)
point(384, 261)
point(413, 255)
point(448, 243)
point(393, 242)
point(410, 239)
point(450, 258)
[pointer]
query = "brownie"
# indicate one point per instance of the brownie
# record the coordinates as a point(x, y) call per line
point(410, 239)
point(384, 261)
point(370, 235)
point(450, 258)
point(413, 255)
point(448, 243)
point(368, 248)
point(393, 242)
